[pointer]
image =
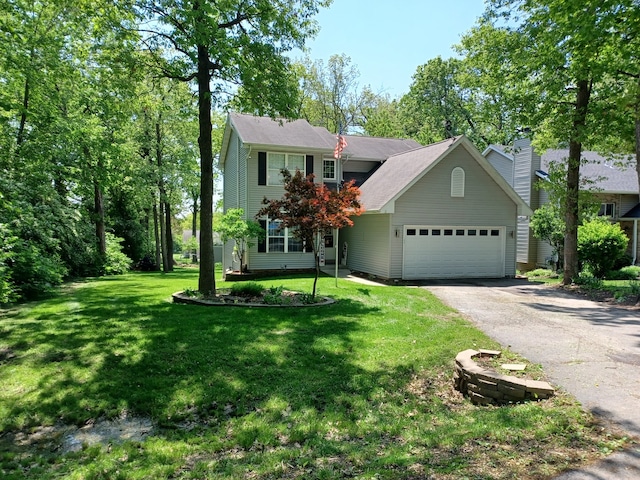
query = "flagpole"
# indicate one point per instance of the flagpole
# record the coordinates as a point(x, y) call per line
point(338, 177)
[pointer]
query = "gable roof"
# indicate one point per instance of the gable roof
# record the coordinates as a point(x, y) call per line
point(400, 172)
point(280, 132)
point(499, 149)
point(300, 134)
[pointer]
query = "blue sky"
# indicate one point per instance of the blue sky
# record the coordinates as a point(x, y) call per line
point(388, 40)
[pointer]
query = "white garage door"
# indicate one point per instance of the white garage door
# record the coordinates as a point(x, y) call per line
point(453, 252)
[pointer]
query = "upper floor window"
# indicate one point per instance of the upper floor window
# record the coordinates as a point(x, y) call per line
point(457, 182)
point(277, 161)
point(607, 210)
point(329, 169)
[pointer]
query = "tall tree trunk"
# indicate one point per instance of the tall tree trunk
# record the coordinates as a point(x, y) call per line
point(571, 267)
point(163, 238)
point(23, 115)
point(168, 236)
point(156, 232)
point(166, 263)
point(98, 206)
point(206, 280)
point(194, 227)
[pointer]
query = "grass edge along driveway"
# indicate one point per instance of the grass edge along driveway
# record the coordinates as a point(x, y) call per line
point(358, 389)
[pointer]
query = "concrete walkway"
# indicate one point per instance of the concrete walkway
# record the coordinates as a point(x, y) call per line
point(590, 349)
point(345, 273)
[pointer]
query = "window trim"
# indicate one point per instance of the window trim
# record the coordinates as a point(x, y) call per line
point(286, 165)
point(603, 206)
point(458, 182)
point(335, 170)
point(286, 234)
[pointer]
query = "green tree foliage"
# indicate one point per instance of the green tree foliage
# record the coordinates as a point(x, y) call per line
point(116, 262)
point(330, 96)
point(69, 171)
point(547, 224)
point(222, 46)
point(600, 244)
point(310, 208)
point(244, 233)
point(562, 65)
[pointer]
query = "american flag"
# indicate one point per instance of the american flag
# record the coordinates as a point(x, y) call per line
point(342, 142)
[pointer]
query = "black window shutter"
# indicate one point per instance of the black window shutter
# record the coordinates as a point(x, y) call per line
point(262, 168)
point(262, 242)
point(309, 165)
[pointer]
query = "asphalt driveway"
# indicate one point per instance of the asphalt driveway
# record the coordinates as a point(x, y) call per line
point(589, 349)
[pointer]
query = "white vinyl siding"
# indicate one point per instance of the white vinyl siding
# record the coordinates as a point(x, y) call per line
point(255, 194)
point(368, 241)
point(502, 164)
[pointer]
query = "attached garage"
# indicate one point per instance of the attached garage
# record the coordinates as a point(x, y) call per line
point(441, 211)
point(453, 252)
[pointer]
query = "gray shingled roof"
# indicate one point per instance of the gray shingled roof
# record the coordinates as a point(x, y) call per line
point(300, 134)
point(398, 173)
point(281, 133)
point(375, 148)
point(609, 177)
point(403, 170)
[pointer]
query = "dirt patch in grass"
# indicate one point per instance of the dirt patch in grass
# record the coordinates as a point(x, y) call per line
point(64, 439)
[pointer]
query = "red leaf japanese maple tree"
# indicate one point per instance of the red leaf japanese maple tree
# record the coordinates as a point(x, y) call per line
point(309, 208)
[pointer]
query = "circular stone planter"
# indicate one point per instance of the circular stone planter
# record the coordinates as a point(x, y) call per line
point(485, 386)
point(233, 301)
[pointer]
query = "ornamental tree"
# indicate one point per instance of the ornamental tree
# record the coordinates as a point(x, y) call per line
point(233, 226)
point(309, 208)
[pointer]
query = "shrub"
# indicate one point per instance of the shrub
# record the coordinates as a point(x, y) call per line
point(626, 273)
point(7, 290)
point(273, 295)
point(541, 273)
point(246, 289)
point(588, 281)
point(116, 262)
point(600, 244)
point(624, 261)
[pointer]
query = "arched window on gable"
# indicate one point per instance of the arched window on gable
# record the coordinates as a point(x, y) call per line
point(457, 182)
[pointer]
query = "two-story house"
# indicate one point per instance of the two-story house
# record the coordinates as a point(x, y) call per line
point(431, 212)
point(614, 186)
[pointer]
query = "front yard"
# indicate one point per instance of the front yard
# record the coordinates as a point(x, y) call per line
point(358, 389)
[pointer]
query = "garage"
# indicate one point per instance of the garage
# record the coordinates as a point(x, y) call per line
point(432, 251)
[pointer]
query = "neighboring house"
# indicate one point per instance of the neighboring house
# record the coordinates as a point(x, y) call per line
point(616, 188)
point(431, 212)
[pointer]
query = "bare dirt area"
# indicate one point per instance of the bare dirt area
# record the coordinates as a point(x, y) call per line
point(68, 438)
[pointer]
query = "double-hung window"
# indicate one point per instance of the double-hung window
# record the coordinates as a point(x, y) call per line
point(277, 161)
point(329, 169)
point(282, 240)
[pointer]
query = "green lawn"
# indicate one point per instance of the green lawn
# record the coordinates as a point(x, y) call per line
point(358, 389)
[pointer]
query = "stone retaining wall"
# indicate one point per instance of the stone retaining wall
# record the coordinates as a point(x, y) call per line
point(484, 386)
